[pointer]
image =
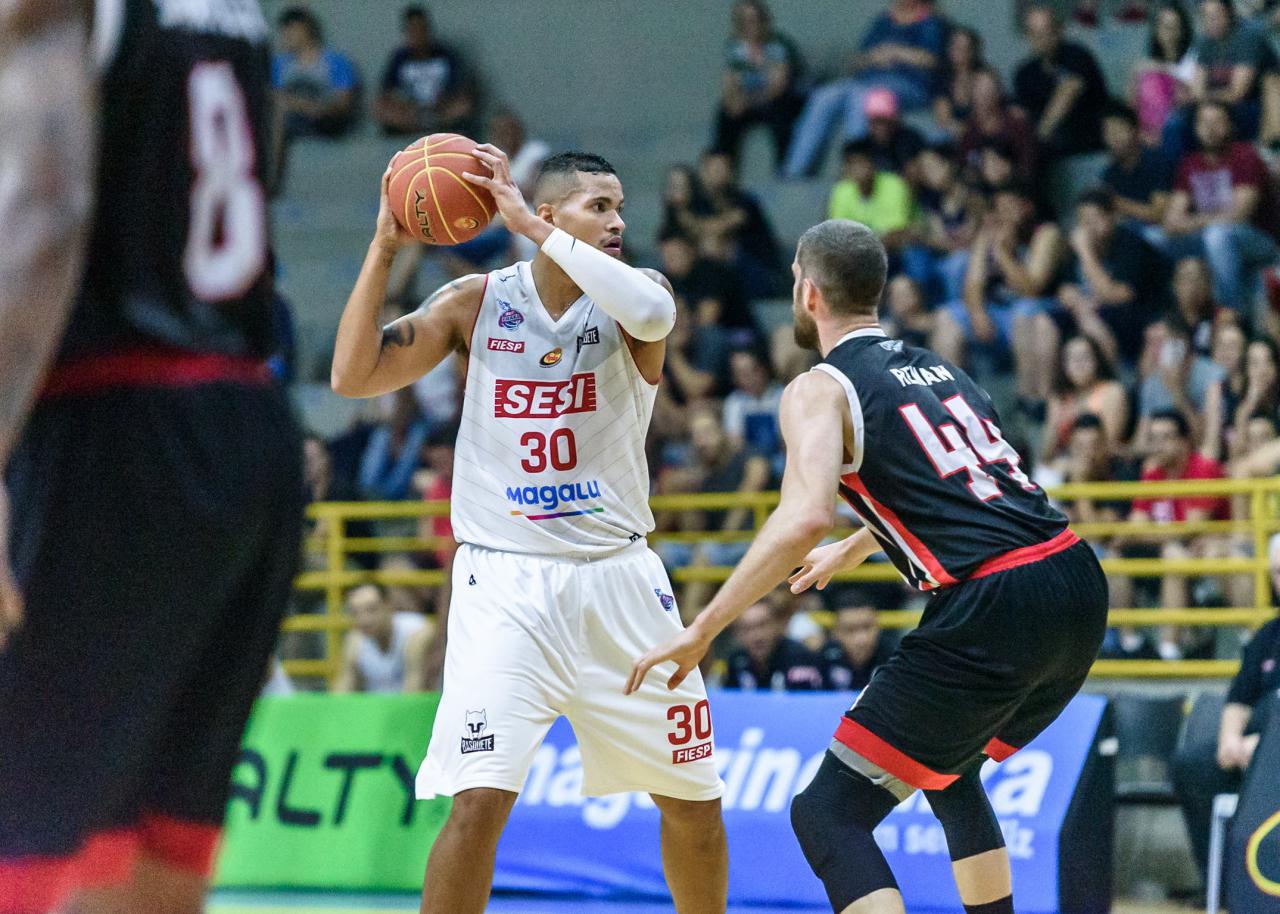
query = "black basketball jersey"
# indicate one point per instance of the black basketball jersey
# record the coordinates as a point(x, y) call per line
point(178, 252)
point(931, 474)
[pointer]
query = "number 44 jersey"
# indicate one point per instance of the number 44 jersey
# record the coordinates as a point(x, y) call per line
point(550, 457)
point(931, 474)
point(178, 253)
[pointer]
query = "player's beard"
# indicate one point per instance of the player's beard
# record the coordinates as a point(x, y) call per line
point(806, 331)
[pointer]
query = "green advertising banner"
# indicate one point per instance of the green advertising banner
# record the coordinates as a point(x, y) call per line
point(324, 790)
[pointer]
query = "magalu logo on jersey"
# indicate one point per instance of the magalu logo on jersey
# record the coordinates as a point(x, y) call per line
point(510, 318)
point(518, 399)
point(551, 358)
point(547, 499)
point(589, 337)
point(475, 740)
point(498, 344)
point(667, 600)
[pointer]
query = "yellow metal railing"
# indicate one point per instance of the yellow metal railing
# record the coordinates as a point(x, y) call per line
point(1262, 497)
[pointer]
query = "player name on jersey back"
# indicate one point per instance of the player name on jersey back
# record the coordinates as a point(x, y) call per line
point(550, 456)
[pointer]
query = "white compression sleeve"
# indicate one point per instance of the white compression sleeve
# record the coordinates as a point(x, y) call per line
point(643, 308)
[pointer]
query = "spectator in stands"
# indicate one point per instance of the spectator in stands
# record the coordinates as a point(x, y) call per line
point(1119, 282)
point(434, 482)
point(856, 649)
point(907, 318)
point(1137, 176)
point(383, 647)
point(962, 62)
point(1085, 385)
point(762, 82)
point(950, 212)
point(997, 166)
point(1223, 197)
point(751, 408)
point(1261, 453)
point(1060, 87)
point(322, 484)
point(1175, 379)
point(1162, 82)
point(894, 145)
point(766, 659)
point(1193, 302)
point(1014, 265)
point(316, 87)
point(392, 453)
point(697, 362)
point(1227, 352)
point(1172, 457)
point(879, 199)
point(1230, 59)
point(900, 52)
point(993, 120)
point(1261, 395)
point(425, 86)
point(1091, 456)
point(1204, 769)
point(712, 293)
point(733, 226)
point(789, 359)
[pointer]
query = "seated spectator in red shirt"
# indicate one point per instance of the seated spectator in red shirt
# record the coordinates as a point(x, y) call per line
point(766, 659)
point(1223, 199)
point(1173, 458)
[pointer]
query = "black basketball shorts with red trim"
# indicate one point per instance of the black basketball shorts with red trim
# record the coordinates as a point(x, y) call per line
point(155, 536)
point(993, 662)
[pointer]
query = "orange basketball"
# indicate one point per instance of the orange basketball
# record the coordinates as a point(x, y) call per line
point(429, 196)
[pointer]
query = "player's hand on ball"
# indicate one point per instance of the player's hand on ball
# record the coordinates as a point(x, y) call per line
point(506, 193)
point(818, 566)
point(389, 235)
point(686, 649)
point(10, 596)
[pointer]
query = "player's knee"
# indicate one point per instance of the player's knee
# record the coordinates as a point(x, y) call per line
point(696, 816)
point(966, 815)
point(837, 801)
point(481, 809)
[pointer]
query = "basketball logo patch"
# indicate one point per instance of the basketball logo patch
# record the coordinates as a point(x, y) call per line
point(509, 318)
point(551, 358)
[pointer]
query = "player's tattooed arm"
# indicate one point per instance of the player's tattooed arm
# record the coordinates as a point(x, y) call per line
point(47, 160)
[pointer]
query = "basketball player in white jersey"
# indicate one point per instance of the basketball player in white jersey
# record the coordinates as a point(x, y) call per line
point(554, 587)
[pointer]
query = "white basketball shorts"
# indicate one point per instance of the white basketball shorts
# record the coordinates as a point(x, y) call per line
point(532, 638)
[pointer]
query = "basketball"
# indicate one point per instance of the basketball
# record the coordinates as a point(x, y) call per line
point(429, 196)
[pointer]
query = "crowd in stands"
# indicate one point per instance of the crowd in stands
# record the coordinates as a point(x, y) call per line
point(1128, 328)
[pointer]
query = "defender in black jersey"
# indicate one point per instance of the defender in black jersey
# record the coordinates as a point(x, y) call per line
point(1018, 603)
point(156, 490)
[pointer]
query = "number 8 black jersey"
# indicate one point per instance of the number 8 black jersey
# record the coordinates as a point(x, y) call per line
point(931, 474)
point(178, 252)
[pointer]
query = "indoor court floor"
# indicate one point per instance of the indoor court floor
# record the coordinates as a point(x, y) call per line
point(228, 902)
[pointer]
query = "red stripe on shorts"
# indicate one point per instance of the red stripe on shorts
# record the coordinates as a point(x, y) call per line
point(876, 750)
point(180, 843)
point(999, 750)
point(153, 367)
point(43, 882)
point(1026, 555)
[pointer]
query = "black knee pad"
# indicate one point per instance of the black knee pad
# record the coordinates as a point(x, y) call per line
point(966, 815)
point(833, 819)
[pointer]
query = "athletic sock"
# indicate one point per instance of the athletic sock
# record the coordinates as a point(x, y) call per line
point(999, 906)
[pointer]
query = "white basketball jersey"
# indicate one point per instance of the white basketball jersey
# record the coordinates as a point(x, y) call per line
point(550, 457)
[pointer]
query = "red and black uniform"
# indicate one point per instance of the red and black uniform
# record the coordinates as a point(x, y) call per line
point(1018, 606)
point(157, 489)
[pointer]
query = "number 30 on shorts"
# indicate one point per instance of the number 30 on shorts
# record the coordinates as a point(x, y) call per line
point(690, 723)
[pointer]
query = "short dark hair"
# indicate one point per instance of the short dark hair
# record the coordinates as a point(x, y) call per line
point(1179, 421)
point(415, 11)
point(862, 146)
point(1100, 197)
point(1120, 111)
point(848, 264)
point(564, 165)
point(300, 15)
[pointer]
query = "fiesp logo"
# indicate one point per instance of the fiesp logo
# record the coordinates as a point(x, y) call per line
point(544, 399)
point(498, 344)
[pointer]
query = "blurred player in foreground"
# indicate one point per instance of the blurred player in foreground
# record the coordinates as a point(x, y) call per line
point(1019, 603)
point(152, 470)
point(554, 587)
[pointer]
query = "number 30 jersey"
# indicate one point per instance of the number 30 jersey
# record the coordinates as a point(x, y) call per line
point(550, 455)
point(931, 475)
point(178, 252)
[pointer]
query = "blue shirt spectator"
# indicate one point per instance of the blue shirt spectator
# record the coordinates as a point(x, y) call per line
point(316, 87)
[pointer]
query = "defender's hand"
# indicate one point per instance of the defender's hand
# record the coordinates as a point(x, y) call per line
point(506, 193)
point(390, 236)
point(10, 596)
point(686, 649)
point(819, 566)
